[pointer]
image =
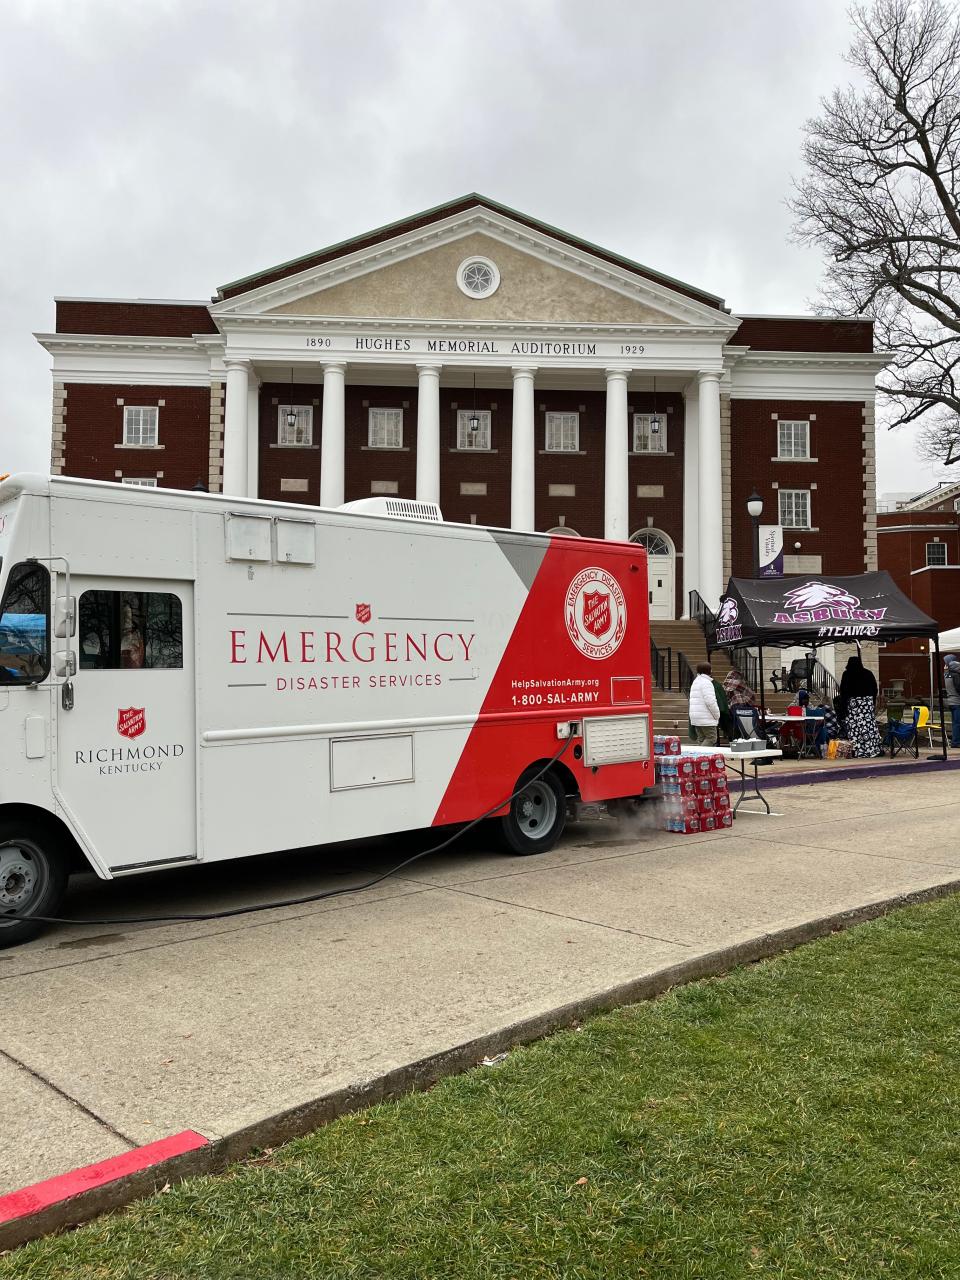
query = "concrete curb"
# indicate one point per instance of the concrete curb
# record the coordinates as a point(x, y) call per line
point(216, 1155)
point(852, 773)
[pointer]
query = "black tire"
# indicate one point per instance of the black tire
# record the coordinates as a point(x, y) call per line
point(538, 814)
point(33, 879)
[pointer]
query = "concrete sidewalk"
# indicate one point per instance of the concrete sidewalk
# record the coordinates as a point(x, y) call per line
point(117, 1036)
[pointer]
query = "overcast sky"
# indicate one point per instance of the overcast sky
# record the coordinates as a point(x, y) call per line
point(158, 148)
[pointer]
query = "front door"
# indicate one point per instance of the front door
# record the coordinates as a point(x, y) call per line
point(660, 586)
point(126, 760)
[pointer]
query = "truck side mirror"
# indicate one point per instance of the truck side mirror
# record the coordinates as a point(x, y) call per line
point(65, 617)
point(65, 663)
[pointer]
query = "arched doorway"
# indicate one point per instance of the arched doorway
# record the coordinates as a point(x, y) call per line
point(563, 531)
point(661, 562)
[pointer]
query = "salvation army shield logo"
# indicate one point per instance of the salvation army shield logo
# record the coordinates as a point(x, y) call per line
point(363, 613)
point(131, 721)
point(595, 612)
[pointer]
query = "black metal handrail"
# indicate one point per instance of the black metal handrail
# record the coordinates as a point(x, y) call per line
point(809, 673)
point(748, 664)
point(704, 617)
point(822, 683)
point(685, 673)
point(661, 666)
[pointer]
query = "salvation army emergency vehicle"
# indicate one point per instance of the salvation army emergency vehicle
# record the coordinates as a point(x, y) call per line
point(191, 678)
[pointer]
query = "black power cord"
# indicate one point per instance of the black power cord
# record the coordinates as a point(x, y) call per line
point(313, 897)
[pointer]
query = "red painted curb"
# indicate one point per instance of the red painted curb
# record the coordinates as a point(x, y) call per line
point(21, 1204)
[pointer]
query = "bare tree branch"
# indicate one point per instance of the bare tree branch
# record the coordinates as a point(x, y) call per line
point(880, 196)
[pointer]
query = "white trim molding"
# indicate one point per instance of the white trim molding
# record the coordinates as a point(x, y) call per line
point(804, 375)
point(149, 362)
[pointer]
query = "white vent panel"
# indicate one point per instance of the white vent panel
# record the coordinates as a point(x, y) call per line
point(616, 740)
point(398, 508)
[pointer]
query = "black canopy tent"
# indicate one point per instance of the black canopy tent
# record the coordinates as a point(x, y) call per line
point(800, 610)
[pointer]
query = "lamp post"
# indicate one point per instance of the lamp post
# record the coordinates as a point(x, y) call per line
point(755, 510)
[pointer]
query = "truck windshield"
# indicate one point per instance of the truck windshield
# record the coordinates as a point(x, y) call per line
point(24, 636)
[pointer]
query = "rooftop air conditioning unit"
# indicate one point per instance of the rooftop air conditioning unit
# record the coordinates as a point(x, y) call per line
point(398, 508)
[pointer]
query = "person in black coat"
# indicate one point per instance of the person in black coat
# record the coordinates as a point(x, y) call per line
point(858, 692)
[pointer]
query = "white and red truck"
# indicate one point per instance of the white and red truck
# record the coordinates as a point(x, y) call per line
point(191, 678)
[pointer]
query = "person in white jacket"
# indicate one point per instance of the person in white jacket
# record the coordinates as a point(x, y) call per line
point(704, 710)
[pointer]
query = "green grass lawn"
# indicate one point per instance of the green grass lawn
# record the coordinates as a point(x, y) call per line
point(796, 1119)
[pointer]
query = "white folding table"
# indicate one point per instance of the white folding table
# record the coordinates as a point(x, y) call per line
point(742, 758)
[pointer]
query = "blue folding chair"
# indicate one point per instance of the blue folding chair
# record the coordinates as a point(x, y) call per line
point(901, 735)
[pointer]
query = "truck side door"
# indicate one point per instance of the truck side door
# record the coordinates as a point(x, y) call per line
point(126, 761)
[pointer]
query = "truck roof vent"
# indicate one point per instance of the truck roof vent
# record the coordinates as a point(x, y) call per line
point(399, 508)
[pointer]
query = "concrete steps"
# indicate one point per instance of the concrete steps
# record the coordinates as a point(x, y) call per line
point(670, 705)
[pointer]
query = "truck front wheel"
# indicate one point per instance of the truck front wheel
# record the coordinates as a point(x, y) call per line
point(33, 878)
point(538, 814)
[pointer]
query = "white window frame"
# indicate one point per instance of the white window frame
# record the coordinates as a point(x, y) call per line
point(654, 443)
point(936, 564)
point(373, 426)
point(791, 452)
point(304, 425)
point(793, 494)
point(141, 482)
point(142, 431)
point(555, 422)
point(474, 441)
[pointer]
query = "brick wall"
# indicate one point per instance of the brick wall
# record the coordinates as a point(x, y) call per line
point(803, 333)
point(363, 464)
point(655, 481)
point(582, 470)
point(139, 319)
point(94, 422)
point(299, 465)
point(473, 467)
point(836, 505)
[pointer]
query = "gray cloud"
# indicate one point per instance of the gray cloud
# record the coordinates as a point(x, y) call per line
point(160, 149)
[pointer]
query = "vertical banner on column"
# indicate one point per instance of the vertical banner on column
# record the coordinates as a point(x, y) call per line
point(771, 551)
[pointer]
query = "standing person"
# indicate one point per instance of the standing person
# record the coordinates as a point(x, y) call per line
point(704, 708)
point(858, 689)
point(951, 687)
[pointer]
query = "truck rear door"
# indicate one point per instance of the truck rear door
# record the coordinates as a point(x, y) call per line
point(126, 760)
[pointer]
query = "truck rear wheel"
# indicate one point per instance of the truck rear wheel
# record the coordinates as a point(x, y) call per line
point(33, 878)
point(538, 814)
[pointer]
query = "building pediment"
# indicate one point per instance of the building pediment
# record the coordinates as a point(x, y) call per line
point(425, 286)
point(416, 274)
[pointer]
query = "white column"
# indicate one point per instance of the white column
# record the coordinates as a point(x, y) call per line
point(711, 582)
point(428, 433)
point(616, 482)
point(691, 493)
point(235, 429)
point(332, 432)
point(522, 453)
point(253, 436)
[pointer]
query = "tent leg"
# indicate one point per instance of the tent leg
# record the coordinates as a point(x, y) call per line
point(943, 722)
point(763, 705)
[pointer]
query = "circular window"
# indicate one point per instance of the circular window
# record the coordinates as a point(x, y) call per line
point(478, 277)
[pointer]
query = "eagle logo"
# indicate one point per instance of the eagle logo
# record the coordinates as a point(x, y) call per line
point(728, 612)
point(815, 595)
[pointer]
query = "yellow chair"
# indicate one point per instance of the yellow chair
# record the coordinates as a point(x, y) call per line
point(923, 722)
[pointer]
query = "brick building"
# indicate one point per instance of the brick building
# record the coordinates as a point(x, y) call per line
point(513, 373)
point(919, 546)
